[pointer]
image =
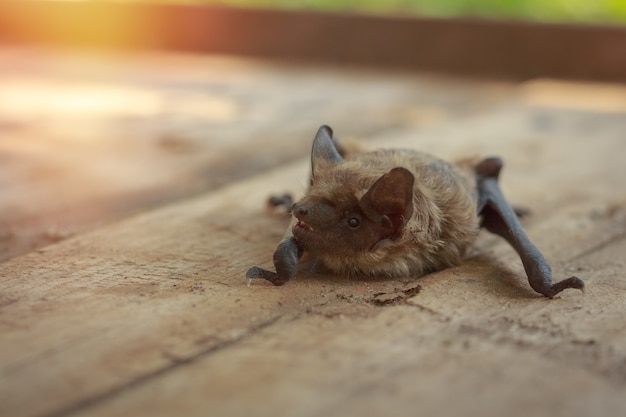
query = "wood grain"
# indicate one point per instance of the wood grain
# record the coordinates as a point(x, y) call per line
point(150, 315)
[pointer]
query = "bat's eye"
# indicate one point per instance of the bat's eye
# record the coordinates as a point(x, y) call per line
point(353, 222)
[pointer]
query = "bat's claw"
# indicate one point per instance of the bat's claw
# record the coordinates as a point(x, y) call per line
point(571, 282)
point(259, 273)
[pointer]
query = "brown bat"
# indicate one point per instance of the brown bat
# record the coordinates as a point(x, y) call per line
point(398, 212)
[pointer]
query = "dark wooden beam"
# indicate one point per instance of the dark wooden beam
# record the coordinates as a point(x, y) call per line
point(469, 47)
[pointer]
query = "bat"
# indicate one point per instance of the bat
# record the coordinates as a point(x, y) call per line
point(399, 212)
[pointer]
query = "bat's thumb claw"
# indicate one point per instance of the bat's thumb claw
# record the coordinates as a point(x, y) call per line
point(253, 273)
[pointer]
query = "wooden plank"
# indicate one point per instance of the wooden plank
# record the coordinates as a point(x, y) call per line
point(518, 356)
point(152, 315)
point(485, 48)
point(86, 139)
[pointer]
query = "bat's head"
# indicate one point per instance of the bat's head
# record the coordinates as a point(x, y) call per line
point(350, 209)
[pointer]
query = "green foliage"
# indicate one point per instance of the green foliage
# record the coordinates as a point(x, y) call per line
point(561, 11)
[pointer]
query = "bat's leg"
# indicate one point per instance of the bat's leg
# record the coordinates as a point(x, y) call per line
point(498, 217)
point(286, 259)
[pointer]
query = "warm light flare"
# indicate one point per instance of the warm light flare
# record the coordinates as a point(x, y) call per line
point(82, 23)
point(25, 99)
point(32, 97)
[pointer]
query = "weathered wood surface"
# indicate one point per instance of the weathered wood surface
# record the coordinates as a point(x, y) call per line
point(87, 139)
point(150, 315)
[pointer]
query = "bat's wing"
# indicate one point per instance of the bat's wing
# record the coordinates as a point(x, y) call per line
point(499, 217)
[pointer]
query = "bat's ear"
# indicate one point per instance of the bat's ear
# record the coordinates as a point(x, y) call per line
point(390, 200)
point(324, 150)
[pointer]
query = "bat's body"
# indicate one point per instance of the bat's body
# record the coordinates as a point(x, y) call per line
point(399, 213)
point(430, 207)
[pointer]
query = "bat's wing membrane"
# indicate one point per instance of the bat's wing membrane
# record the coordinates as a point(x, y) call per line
point(500, 218)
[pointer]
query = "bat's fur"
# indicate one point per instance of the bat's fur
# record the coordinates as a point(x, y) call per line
point(443, 224)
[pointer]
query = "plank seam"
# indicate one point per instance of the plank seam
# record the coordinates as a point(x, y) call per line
point(599, 246)
point(99, 398)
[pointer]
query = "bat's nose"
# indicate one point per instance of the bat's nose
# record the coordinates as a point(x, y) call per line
point(300, 210)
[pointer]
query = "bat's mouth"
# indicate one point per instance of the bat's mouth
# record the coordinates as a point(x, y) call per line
point(303, 226)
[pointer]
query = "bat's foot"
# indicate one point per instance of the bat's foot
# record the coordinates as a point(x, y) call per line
point(284, 201)
point(572, 282)
point(259, 273)
point(521, 212)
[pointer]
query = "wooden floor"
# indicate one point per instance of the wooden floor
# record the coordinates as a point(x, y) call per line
point(133, 201)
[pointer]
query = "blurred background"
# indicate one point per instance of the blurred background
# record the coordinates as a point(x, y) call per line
point(555, 11)
point(108, 108)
